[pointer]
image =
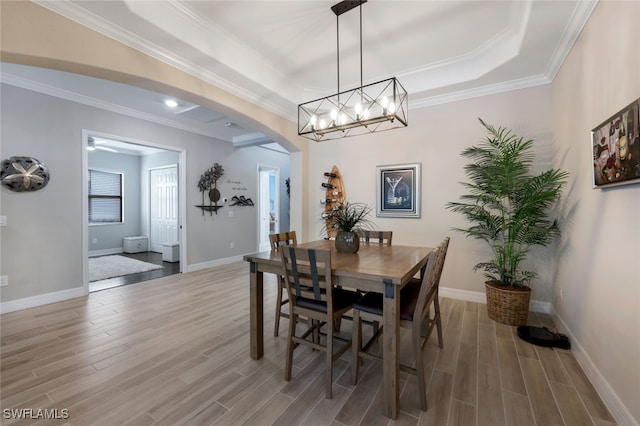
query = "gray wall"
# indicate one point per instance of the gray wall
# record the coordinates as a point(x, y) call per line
point(42, 245)
point(109, 236)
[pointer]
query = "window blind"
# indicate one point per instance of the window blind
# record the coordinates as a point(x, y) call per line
point(105, 197)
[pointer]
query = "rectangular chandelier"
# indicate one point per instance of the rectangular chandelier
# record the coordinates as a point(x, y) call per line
point(366, 109)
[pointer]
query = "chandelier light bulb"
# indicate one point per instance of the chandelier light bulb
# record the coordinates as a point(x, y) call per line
point(365, 114)
point(334, 114)
point(313, 120)
point(392, 108)
point(322, 124)
point(384, 102)
point(343, 118)
point(358, 108)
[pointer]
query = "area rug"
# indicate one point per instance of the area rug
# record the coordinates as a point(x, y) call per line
point(104, 267)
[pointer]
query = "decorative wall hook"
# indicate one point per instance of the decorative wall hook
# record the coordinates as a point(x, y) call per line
point(241, 201)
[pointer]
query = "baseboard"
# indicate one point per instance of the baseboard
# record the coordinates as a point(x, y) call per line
point(42, 299)
point(618, 410)
point(480, 297)
point(104, 252)
point(214, 263)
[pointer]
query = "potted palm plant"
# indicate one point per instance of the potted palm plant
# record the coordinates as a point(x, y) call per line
point(508, 208)
point(347, 219)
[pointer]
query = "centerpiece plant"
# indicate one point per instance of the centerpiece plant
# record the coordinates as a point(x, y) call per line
point(508, 207)
point(347, 219)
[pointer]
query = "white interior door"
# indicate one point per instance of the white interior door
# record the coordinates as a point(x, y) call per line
point(269, 205)
point(164, 207)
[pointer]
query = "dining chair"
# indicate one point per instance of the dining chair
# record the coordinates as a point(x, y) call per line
point(380, 237)
point(303, 267)
point(416, 299)
point(278, 240)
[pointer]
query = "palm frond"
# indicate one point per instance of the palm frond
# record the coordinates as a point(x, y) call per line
point(506, 205)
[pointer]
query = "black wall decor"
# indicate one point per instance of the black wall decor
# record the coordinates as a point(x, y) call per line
point(22, 174)
point(208, 183)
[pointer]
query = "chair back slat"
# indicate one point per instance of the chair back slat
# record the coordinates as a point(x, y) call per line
point(283, 239)
point(302, 267)
point(430, 275)
point(380, 237)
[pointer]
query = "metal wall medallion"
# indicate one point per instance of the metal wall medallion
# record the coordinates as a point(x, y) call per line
point(21, 174)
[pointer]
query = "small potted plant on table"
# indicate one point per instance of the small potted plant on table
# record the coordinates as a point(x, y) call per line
point(347, 219)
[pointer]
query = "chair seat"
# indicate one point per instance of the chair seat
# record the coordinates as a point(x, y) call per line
point(372, 302)
point(342, 299)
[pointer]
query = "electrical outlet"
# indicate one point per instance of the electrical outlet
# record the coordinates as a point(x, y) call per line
point(230, 213)
point(232, 244)
point(3, 221)
point(4, 280)
point(94, 241)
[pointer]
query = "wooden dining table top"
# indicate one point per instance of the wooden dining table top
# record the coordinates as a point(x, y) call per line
point(373, 262)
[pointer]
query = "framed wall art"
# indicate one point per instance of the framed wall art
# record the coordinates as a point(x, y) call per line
point(616, 148)
point(398, 190)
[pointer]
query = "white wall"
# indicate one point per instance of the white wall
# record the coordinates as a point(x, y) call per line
point(598, 270)
point(42, 244)
point(435, 137)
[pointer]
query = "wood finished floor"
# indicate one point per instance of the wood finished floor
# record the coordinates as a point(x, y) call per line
point(174, 350)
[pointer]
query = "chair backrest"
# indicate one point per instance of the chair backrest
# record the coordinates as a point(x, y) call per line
point(283, 239)
point(310, 268)
point(431, 278)
point(380, 237)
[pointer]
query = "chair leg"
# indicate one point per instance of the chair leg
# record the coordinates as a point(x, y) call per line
point(329, 360)
point(356, 345)
point(293, 319)
point(436, 318)
point(417, 353)
point(316, 331)
point(276, 327)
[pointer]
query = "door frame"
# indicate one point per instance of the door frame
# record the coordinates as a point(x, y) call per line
point(267, 168)
point(182, 209)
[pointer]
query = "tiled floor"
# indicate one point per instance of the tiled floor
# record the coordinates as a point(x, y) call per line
point(175, 351)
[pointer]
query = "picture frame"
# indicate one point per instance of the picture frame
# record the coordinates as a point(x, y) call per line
point(616, 148)
point(398, 190)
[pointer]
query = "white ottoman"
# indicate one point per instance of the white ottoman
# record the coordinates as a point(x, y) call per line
point(135, 244)
point(171, 252)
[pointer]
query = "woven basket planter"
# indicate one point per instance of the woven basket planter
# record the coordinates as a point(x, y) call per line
point(508, 305)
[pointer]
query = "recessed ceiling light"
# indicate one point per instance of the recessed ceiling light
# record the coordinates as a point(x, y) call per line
point(171, 103)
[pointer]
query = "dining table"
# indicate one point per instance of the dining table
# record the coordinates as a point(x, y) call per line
point(375, 267)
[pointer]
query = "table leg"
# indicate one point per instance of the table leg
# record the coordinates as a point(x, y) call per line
point(390, 349)
point(256, 331)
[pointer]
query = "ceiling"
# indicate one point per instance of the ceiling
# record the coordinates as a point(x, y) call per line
point(278, 54)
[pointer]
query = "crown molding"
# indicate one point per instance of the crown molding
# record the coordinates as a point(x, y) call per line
point(505, 43)
point(579, 18)
point(492, 89)
point(46, 89)
point(121, 35)
point(250, 139)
